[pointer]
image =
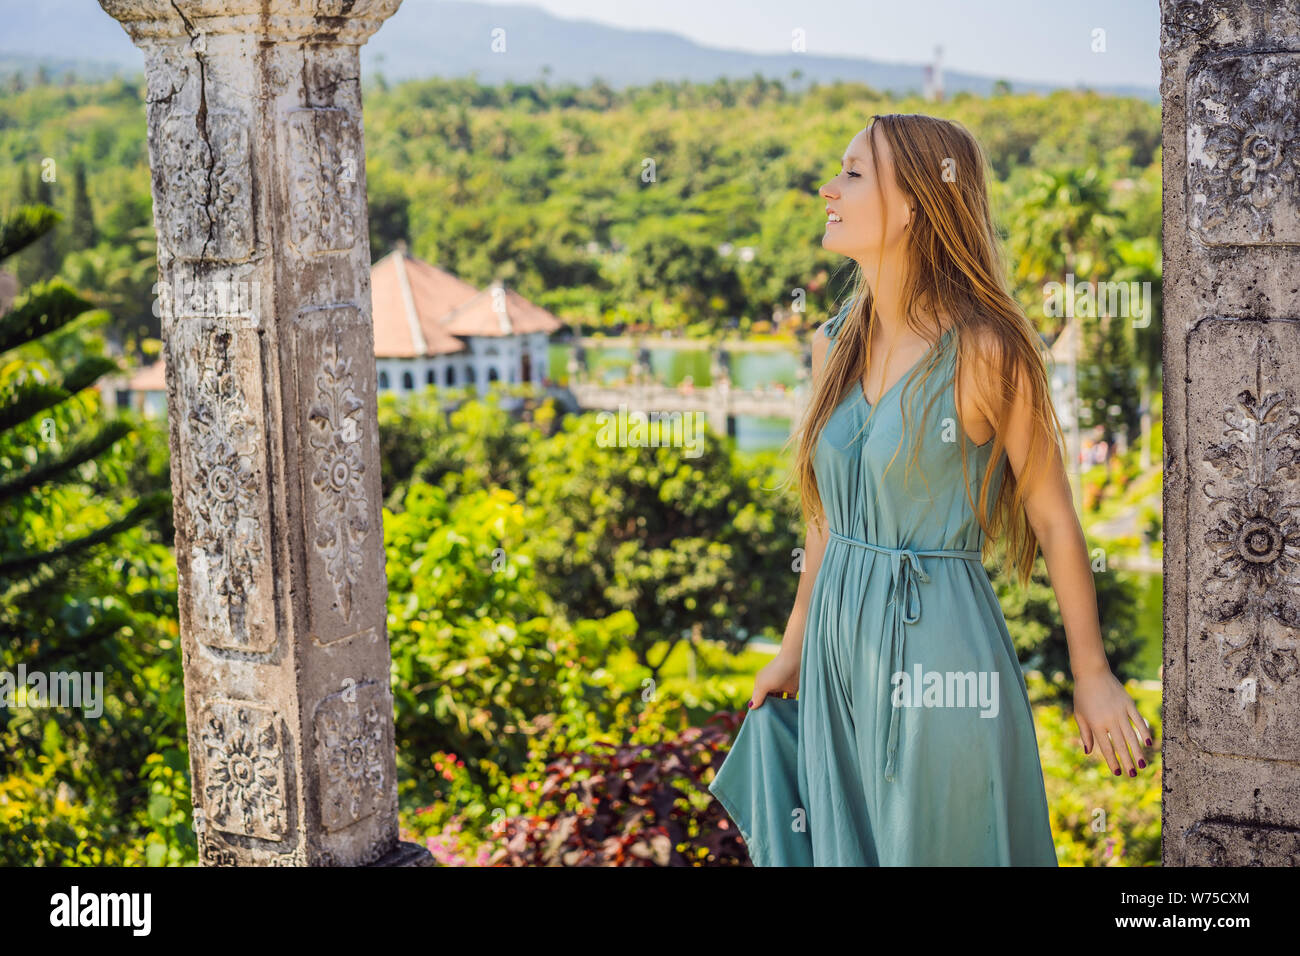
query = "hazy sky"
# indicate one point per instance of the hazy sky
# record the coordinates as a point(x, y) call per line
point(1043, 40)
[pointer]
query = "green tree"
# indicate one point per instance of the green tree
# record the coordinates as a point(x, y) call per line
point(42, 310)
point(425, 438)
point(690, 545)
point(26, 188)
point(44, 255)
point(78, 786)
point(1034, 622)
point(1140, 267)
point(1108, 387)
point(1061, 226)
point(665, 258)
point(483, 662)
point(84, 234)
point(1139, 261)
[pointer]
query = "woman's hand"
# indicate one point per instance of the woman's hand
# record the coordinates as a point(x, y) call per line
point(781, 675)
point(1107, 715)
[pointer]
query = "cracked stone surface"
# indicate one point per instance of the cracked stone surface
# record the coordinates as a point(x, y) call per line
point(257, 158)
point(1230, 85)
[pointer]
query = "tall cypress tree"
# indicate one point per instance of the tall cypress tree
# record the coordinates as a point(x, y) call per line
point(26, 189)
point(84, 233)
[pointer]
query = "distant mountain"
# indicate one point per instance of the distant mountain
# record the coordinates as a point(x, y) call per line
point(58, 67)
point(453, 38)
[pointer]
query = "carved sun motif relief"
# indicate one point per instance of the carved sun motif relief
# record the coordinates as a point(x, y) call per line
point(1251, 592)
point(1243, 149)
point(243, 779)
point(341, 507)
point(350, 752)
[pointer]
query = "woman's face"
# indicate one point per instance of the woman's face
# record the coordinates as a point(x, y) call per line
point(863, 229)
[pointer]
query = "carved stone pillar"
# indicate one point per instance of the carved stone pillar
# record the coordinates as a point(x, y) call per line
point(1231, 93)
point(255, 142)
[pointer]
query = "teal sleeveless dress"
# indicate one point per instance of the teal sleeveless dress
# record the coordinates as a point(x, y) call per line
point(911, 742)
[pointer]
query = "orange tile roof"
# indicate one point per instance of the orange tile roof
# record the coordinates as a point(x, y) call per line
point(151, 378)
point(498, 311)
point(421, 310)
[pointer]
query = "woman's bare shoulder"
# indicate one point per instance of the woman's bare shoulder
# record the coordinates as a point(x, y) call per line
point(821, 343)
point(979, 392)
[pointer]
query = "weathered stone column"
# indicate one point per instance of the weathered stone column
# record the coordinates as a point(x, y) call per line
point(255, 142)
point(1231, 93)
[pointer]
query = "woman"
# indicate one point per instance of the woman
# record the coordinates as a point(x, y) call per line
point(912, 740)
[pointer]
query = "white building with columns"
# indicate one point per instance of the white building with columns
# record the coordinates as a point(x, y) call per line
point(432, 328)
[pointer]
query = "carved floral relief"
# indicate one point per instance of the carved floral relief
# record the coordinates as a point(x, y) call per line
point(1251, 588)
point(243, 769)
point(1243, 149)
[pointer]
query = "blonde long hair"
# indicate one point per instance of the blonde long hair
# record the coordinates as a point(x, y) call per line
point(954, 267)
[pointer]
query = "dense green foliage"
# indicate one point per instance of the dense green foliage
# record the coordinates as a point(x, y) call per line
point(480, 658)
point(1034, 622)
point(461, 446)
point(549, 189)
point(701, 546)
point(86, 589)
point(691, 546)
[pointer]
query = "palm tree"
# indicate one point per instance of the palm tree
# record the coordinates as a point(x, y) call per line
point(26, 475)
point(1061, 225)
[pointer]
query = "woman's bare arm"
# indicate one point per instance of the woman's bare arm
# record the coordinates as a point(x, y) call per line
point(813, 548)
point(782, 674)
point(1103, 710)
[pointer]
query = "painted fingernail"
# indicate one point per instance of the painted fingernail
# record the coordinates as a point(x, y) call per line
point(1142, 763)
point(751, 703)
point(1085, 749)
point(1117, 773)
point(1148, 741)
point(1132, 773)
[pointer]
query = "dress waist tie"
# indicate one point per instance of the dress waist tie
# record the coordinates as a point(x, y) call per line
point(905, 595)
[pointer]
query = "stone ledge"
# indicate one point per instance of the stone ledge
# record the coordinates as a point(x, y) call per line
point(406, 854)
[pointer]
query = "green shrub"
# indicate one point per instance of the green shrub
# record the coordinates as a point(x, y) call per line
point(1098, 819)
point(1034, 622)
point(86, 586)
point(481, 661)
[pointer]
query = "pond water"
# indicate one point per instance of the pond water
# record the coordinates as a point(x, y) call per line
point(671, 366)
